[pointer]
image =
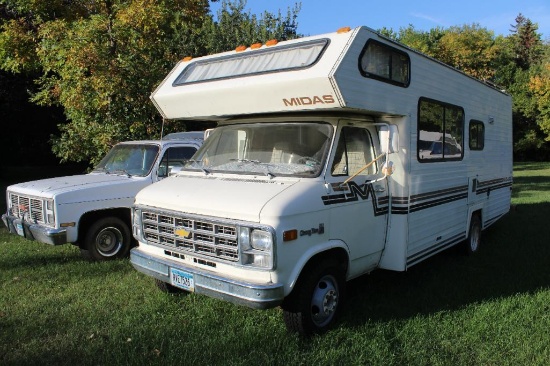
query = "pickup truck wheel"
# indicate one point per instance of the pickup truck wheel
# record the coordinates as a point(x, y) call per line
point(315, 302)
point(474, 236)
point(107, 238)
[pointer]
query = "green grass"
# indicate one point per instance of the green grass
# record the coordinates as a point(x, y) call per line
point(489, 309)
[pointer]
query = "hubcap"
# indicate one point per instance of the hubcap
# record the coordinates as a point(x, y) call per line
point(324, 301)
point(109, 241)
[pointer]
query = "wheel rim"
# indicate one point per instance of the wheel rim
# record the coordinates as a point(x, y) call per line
point(324, 301)
point(109, 241)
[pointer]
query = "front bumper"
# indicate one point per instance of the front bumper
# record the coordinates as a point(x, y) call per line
point(36, 232)
point(253, 295)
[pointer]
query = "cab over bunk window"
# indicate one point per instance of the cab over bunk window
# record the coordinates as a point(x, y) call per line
point(291, 57)
point(477, 135)
point(382, 62)
point(440, 131)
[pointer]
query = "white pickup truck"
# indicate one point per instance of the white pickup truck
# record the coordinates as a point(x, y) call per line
point(93, 210)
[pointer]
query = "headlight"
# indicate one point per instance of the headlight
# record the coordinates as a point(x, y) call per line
point(261, 240)
point(256, 247)
point(136, 224)
point(50, 215)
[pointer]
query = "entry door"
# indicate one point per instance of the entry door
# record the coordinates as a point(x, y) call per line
point(358, 208)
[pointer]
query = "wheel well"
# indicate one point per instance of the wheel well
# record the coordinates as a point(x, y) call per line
point(337, 254)
point(89, 218)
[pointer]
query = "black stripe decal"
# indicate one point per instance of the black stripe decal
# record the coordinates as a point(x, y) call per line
point(351, 192)
point(418, 257)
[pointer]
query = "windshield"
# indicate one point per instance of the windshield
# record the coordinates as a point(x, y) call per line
point(129, 159)
point(272, 149)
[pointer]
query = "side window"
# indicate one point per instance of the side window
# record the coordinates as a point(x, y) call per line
point(174, 158)
point(477, 135)
point(382, 62)
point(353, 152)
point(440, 131)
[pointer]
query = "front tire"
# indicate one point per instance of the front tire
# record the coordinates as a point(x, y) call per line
point(316, 301)
point(107, 238)
point(471, 245)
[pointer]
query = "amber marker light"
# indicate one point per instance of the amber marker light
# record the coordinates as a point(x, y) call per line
point(290, 235)
point(240, 49)
point(187, 58)
point(271, 42)
point(343, 30)
point(255, 46)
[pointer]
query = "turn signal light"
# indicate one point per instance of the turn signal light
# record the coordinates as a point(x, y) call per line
point(290, 235)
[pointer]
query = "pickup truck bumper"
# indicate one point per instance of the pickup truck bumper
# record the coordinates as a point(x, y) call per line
point(36, 232)
point(256, 296)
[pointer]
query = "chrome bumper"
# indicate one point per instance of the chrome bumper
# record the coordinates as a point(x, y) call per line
point(238, 292)
point(36, 232)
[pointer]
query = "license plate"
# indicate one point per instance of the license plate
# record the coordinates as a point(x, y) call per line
point(19, 229)
point(182, 279)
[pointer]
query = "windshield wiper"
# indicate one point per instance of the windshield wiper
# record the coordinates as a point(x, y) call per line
point(265, 165)
point(120, 171)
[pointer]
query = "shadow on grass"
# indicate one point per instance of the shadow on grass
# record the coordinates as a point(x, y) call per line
point(514, 258)
point(24, 256)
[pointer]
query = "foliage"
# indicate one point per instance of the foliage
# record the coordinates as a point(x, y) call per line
point(100, 59)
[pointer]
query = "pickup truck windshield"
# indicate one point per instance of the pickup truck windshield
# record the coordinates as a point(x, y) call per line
point(272, 149)
point(129, 159)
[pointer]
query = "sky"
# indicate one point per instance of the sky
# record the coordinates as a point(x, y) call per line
point(324, 16)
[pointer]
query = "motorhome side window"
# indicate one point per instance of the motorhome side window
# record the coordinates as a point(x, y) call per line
point(440, 131)
point(385, 63)
point(477, 135)
point(353, 152)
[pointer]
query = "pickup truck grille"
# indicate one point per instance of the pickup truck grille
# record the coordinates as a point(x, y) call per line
point(30, 209)
point(190, 235)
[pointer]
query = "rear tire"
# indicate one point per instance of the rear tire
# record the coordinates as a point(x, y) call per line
point(472, 243)
point(317, 299)
point(107, 238)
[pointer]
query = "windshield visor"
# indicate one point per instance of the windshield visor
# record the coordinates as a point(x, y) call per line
point(272, 149)
point(129, 159)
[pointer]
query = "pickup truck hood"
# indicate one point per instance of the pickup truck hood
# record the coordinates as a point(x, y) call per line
point(81, 188)
point(222, 197)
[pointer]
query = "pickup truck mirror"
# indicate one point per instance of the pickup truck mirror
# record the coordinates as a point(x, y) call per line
point(389, 138)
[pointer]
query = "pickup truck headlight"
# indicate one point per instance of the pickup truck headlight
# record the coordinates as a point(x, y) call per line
point(256, 247)
point(136, 224)
point(50, 216)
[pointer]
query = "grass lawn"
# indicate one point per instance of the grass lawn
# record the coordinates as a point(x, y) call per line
point(489, 309)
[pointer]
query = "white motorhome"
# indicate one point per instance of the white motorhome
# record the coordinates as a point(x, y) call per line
point(93, 210)
point(334, 155)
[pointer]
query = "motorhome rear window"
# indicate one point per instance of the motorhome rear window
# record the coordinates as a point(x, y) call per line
point(284, 58)
point(382, 62)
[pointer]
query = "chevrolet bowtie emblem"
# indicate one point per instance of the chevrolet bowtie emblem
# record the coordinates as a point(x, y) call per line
point(182, 232)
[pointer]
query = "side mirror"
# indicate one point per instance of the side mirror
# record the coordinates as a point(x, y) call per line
point(389, 138)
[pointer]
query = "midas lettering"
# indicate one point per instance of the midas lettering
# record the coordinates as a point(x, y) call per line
point(316, 99)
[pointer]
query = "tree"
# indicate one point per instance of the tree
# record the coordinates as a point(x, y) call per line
point(540, 86)
point(101, 59)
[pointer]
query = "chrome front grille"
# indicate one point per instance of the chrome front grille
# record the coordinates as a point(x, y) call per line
point(28, 208)
point(191, 235)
